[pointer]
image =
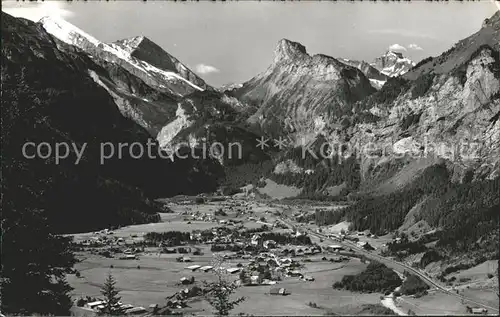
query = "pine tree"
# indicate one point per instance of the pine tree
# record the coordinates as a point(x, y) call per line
point(110, 293)
point(218, 293)
point(34, 264)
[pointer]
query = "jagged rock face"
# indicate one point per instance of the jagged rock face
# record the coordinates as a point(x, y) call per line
point(377, 79)
point(446, 109)
point(298, 89)
point(455, 118)
point(145, 50)
point(145, 93)
point(287, 50)
point(393, 64)
point(206, 118)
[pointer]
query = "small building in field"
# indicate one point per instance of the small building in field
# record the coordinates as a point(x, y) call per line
point(278, 291)
point(206, 268)
point(233, 270)
point(254, 280)
point(136, 311)
point(335, 247)
point(193, 267)
point(269, 244)
point(316, 250)
point(186, 280)
point(256, 239)
point(153, 307)
point(126, 306)
point(93, 305)
point(365, 245)
point(478, 311)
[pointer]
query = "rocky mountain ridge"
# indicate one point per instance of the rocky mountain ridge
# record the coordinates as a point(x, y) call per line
point(299, 95)
point(451, 110)
point(150, 86)
point(124, 53)
point(393, 64)
point(390, 64)
point(298, 89)
point(377, 78)
point(420, 156)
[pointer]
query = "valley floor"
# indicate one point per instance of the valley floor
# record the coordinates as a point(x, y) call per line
point(153, 277)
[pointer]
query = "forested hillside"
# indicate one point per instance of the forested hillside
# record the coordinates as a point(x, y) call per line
point(466, 214)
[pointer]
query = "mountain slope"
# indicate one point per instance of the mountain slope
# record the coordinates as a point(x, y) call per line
point(298, 89)
point(143, 92)
point(165, 80)
point(152, 87)
point(49, 95)
point(451, 116)
point(427, 143)
point(144, 49)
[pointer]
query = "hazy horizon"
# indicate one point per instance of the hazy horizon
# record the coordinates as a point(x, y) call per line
point(230, 42)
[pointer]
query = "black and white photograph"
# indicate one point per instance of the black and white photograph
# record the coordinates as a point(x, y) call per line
point(250, 158)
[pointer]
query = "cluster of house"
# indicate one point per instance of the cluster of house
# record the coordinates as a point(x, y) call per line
point(105, 237)
point(279, 264)
point(198, 216)
point(178, 300)
point(477, 310)
point(365, 245)
point(98, 306)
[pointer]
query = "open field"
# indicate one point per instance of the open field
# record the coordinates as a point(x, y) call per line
point(278, 191)
point(159, 274)
point(158, 278)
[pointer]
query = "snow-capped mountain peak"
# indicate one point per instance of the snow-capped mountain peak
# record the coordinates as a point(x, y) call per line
point(65, 31)
point(393, 64)
point(169, 79)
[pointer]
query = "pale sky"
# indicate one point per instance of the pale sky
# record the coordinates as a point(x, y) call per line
point(230, 42)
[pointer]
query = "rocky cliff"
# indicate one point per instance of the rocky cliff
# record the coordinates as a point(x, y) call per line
point(443, 109)
point(298, 93)
point(393, 64)
point(390, 64)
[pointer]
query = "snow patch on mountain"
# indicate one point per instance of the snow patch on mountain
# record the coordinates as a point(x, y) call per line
point(377, 84)
point(65, 31)
point(168, 132)
point(72, 35)
point(393, 64)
